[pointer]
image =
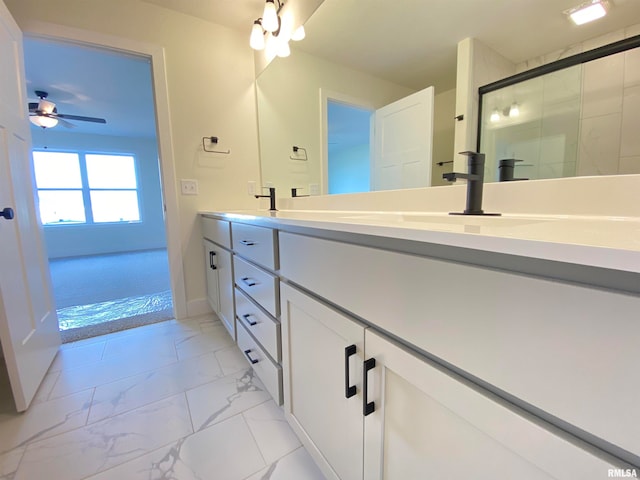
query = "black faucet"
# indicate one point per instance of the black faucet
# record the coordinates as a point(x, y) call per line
point(475, 182)
point(294, 193)
point(271, 197)
point(506, 168)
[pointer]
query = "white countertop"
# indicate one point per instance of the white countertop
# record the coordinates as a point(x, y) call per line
point(598, 241)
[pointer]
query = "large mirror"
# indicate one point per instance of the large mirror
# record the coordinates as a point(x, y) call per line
point(360, 56)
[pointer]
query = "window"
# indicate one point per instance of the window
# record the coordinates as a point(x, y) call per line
point(78, 188)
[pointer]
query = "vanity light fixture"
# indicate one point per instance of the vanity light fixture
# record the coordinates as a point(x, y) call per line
point(588, 11)
point(495, 116)
point(514, 111)
point(277, 32)
point(270, 18)
point(257, 36)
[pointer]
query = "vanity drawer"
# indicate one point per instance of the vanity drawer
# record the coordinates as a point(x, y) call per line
point(255, 243)
point(259, 284)
point(217, 231)
point(265, 329)
point(269, 372)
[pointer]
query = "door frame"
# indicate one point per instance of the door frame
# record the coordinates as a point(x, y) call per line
point(48, 31)
point(325, 97)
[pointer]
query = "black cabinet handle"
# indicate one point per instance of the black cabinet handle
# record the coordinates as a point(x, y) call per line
point(251, 322)
point(367, 406)
point(211, 264)
point(349, 390)
point(248, 281)
point(247, 243)
point(252, 360)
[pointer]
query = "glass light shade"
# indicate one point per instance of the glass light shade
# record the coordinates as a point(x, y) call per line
point(587, 13)
point(298, 34)
point(44, 122)
point(46, 106)
point(270, 17)
point(257, 36)
point(514, 111)
point(271, 47)
point(283, 49)
point(495, 117)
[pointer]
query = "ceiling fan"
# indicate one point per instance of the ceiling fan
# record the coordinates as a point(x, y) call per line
point(45, 114)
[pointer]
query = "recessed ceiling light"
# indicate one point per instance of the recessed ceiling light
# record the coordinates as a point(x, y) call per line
point(588, 12)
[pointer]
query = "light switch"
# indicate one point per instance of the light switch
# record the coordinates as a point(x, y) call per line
point(189, 187)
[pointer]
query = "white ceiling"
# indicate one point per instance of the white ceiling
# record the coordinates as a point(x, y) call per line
point(409, 42)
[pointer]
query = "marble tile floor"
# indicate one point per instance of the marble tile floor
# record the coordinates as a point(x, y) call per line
point(171, 401)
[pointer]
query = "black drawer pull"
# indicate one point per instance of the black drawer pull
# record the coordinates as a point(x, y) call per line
point(247, 243)
point(250, 322)
point(349, 390)
point(367, 406)
point(249, 282)
point(252, 360)
point(211, 264)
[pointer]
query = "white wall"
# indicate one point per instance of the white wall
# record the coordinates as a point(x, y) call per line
point(210, 76)
point(74, 240)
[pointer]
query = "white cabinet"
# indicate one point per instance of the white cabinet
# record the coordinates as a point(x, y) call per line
point(429, 423)
point(322, 355)
point(415, 420)
point(213, 279)
point(219, 268)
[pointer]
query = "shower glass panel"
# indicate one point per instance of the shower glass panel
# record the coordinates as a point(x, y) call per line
point(536, 121)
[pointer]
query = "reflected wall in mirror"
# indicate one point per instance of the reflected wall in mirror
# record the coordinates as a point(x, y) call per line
point(576, 121)
point(293, 98)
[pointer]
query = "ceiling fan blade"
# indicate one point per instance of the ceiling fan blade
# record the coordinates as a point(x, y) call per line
point(81, 119)
point(33, 107)
point(64, 123)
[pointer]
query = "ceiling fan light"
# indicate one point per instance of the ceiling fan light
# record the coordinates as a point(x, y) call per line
point(298, 34)
point(587, 12)
point(257, 36)
point(46, 106)
point(270, 17)
point(44, 122)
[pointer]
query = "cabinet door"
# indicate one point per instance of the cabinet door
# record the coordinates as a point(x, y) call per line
point(211, 265)
point(428, 423)
point(225, 275)
point(322, 354)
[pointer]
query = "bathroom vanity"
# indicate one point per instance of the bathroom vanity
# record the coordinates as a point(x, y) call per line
point(423, 345)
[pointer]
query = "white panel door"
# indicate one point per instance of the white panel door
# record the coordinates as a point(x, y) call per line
point(322, 352)
point(403, 139)
point(429, 424)
point(28, 321)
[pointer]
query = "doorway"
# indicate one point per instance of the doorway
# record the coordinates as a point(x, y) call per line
point(99, 187)
point(348, 147)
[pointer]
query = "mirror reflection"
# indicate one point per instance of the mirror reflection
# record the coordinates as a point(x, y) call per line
point(305, 102)
point(571, 122)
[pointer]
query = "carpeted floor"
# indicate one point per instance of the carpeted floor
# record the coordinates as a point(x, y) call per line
point(105, 293)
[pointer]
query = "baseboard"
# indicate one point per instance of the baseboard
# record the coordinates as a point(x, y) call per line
point(198, 307)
